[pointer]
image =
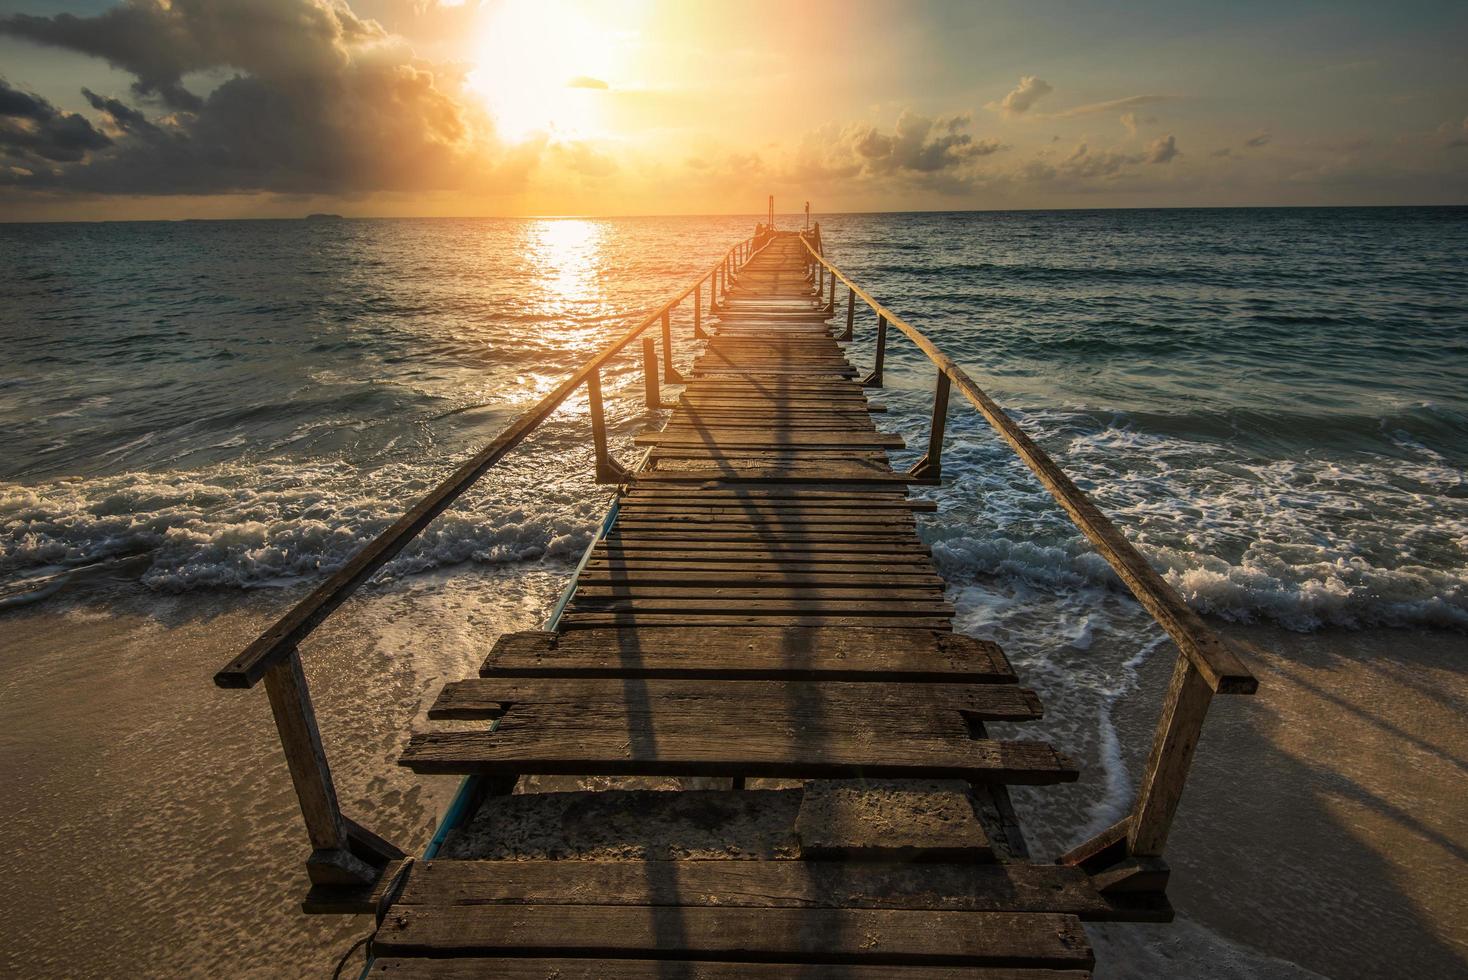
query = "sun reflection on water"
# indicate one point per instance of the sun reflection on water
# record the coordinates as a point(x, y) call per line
point(567, 253)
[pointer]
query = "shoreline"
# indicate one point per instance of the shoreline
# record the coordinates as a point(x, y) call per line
point(1328, 803)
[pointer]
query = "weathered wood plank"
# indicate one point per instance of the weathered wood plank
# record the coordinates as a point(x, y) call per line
point(517, 968)
point(576, 620)
point(493, 697)
point(938, 886)
point(624, 742)
point(795, 654)
point(738, 934)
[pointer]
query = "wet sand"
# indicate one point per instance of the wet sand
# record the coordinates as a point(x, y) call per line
point(153, 830)
point(1326, 819)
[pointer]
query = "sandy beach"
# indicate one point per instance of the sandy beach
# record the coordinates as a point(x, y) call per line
point(1323, 830)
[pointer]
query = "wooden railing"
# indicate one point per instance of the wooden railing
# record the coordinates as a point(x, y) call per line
point(343, 852)
point(1206, 665)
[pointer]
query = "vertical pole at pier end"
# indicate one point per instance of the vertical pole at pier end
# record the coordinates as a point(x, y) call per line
point(670, 373)
point(874, 380)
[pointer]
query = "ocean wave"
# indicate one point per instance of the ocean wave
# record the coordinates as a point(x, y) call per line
point(1303, 598)
point(249, 527)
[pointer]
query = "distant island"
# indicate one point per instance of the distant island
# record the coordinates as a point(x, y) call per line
point(321, 216)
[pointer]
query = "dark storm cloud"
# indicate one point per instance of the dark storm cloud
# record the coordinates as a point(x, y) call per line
point(317, 101)
point(32, 130)
point(159, 43)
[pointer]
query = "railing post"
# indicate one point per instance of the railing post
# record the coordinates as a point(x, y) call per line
point(698, 310)
point(608, 470)
point(332, 861)
point(669, 372)
point(1183, 711)
point(650, 374)
point(831, 300)
point(874, 380)
point(850, 314)
point(931, 465)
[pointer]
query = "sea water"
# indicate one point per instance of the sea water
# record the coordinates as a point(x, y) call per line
point(1271, 403)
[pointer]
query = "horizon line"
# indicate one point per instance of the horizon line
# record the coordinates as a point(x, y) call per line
point(727, 214)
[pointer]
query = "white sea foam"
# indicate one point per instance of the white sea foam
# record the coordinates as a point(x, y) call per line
point(239, 526)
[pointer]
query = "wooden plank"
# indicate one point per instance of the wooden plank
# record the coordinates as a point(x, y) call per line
point(578, 620)
point(732, 588)
point(618, 741)
point(1020, 887)
point(769, 607)
point(788, 549)
point(614, 555)
point(742, 578)
point(766, 474)
point(794, 654)
point(478, 698)
point(739, 934)
point(873, 512)
point(559, 968)
point(894, 520)
point(723, 439)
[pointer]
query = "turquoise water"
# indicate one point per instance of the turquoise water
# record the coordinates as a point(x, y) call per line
point(1273, 403)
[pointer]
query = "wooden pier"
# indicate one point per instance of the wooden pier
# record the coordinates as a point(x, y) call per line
point(761, 620)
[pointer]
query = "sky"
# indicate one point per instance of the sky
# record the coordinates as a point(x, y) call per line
point(266, 108)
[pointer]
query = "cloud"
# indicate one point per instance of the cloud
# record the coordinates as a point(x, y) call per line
point(1260, 138)
point(1131, 122)
point(1030, 90)
point(918, 144)
point(1085, 164)
point(319, 101)
point(34, 130)
point(1163, 150)
point(1093, 108)
point(586, 81)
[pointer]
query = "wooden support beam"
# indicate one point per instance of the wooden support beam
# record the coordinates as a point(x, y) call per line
point(1183, 711)
point(931, 465)
point(698, 311)
point(669, 372)
point(850, 314)
point(332, 861)
point(874, 380)
point(652, 397)
point(608, 470)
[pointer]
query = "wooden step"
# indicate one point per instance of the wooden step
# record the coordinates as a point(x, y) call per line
point(517, 968)
point(738, 934)
point(774, 654)
point(772, 701)
point(669, 740)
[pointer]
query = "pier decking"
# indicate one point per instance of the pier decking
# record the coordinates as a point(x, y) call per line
point(762, 622)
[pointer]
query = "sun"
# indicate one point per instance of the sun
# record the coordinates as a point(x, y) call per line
point(544, 66)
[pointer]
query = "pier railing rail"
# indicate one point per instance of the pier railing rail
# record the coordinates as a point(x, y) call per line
point(343, 852)
point(1205, 664)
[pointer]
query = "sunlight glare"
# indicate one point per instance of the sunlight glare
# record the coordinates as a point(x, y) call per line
point(543, 66)
point(568, 254)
